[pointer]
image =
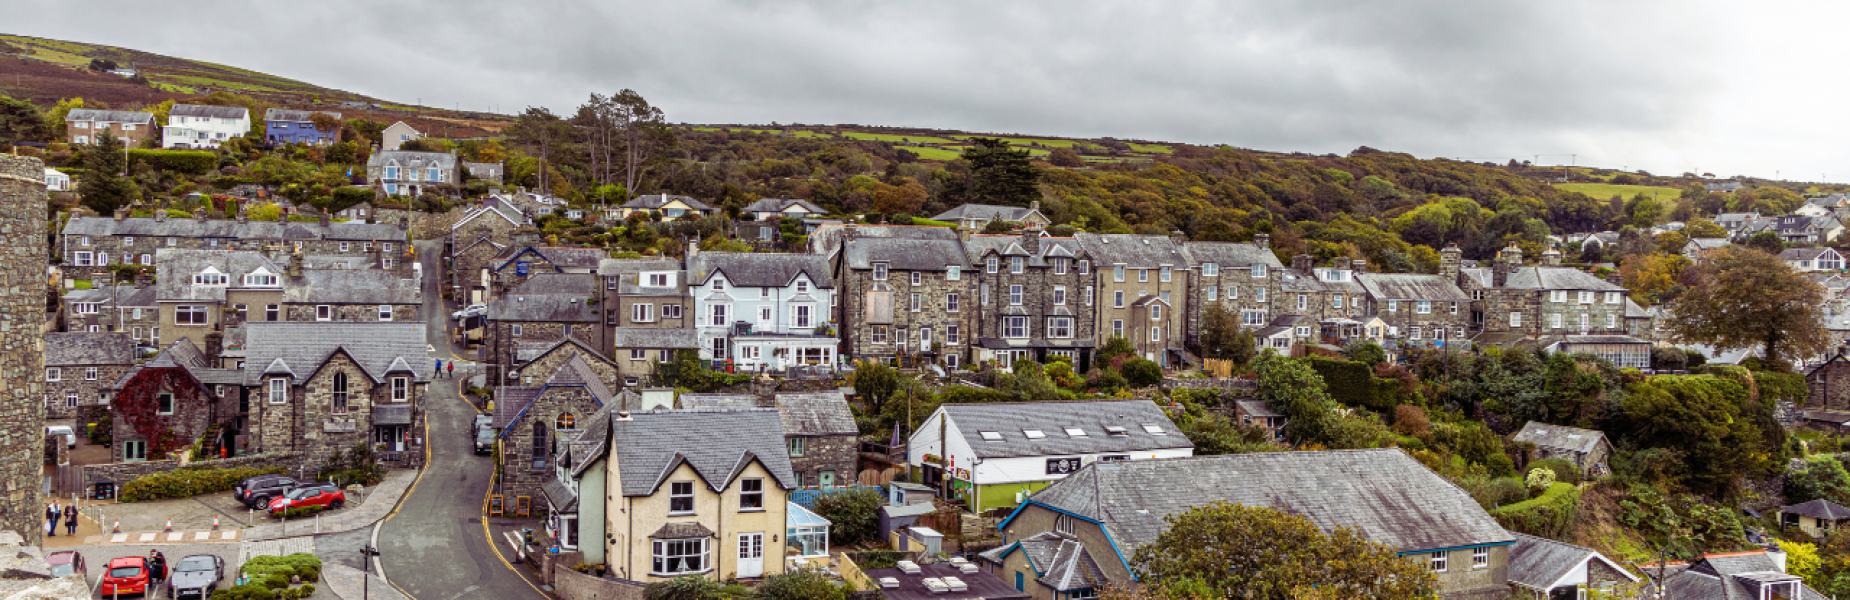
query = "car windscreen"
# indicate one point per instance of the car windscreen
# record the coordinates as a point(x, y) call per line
point(195, 563)
point(485, 435)
point(62, 570)
point(125, 571)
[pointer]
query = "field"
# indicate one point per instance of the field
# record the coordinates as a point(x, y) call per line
point(1606, 190)
point(930, 153)
point(1045, 142)
point(1156, 148)
point(888, 137)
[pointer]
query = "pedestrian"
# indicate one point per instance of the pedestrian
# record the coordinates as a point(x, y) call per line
point(51, 519)
point(452, 369)
point(157, 565)
point(70, 519)
point(439, 367)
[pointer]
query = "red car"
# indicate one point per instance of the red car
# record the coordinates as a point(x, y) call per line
point(321, 494)
point(126, 575)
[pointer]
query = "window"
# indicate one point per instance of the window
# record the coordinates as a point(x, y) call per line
point(1251, 318)
point(1059, 294)
point(1259, 294)
point(1454, 308)
point(1336, 301)
point(1156, 312)
point(1117, 328)
point(1156, 334)
point(1210, 269)
point(401, 389)
point(719, 315)
point(1413, 333)
point(385, 312)
point(1614, 297)
point(1554, 321)
point(89, 373)
point(991, 265)
point(1424, 307)
point(1015, 327)
point(799, 316)
point(642, 313)
point(879, 334)
point(1303, 331)
point(1143, 275)
point(950, 335)
point(879, 274)
point(147, 259)
point(128, 241)
point(134, 450)
point(751, 494)
point(1088, 295)
point(171, 242)
point(190, 315)
point(324, 312)
point(1164, 275)
point(918, 278)
point(918, 301)
point(540, 450)
point(340, 393)
point(1259, 271)
point(1059, 266)
point(1213, 293)
point(1164, 295)
point(1117, 299)
point(54, 374)
point(70, 400)
point(1557, 296)
point(1480, 558)
point(719, 347)
point(343, 246)
point(260, 280)
point(1015, 295)
point(950, 302)
point(1515, 319)
point(1586, 297)
point(279, 390)
point(1085, 267)
point(1584, 321)
point(638, 354)
point(1612, 321)
point(985, 292)
point(1060, 327)
point(385, 247)
point(82, 259)
point(675, 557)
point(796, 446)
point(662, 355)
point(516, 330)
point(991, 436)
point(1117, 273)
point(680, 497)
point(1303, 302)
point(1017, 264)
point(1437, 562)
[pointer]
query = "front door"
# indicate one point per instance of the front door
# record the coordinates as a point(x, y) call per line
point(751, 555)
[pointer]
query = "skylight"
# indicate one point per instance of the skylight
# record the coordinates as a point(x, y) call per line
point(1033, 434)
point(1153, 429)
point(1116, 430)
point(1075, 432)
point(992, 436)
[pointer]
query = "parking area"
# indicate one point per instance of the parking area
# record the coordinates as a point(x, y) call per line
point(98, 558)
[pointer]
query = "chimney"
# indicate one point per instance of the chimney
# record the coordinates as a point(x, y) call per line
point(1034, 205)
point(1263, 240)
point(1359, 266)
point(200, 215)
point(847, 233)
point(121, 213)
point(1777, 555)
point(244, 215)
point(1508, 260)
point(1341, 263)
point(1450, 259)
point(295, 266)
point(143, 280)
point(160, 215)
point(325, 220)
point(1176, 237)
point(693, 248)
point(963, 234)
point(1031, 241)
point(1301, 263)
point(1551, 257)
point(1615, 278)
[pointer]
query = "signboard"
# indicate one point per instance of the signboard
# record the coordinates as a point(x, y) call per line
point(520, 268)
point(1062, 466)
point(1114, 457)
point(495, 505)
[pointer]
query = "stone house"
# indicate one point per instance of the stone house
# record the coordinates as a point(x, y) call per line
point(1753, 574)
point(1139, 291)
point(1589, 450)
point(1243, 278)
point(553, 358)
point(322, 388)
point(1287, 334)
point(362, 211)
point(541, 312)
point(119, 308)
point(1539, 300)
point(81, 368)
point(534, 421)
point(411, 174)
point(482, 234)
point(1829, 384)
point(169, 402)
point(711, 505)
point(515, 265)
point(898, 295)
point(1106, 511)
point(1544, 569)
point(1697, 246)
point(23, 223)
point(203, 292)
point(648, 293)
point(819, 431)
point(762, 310)
point(130, 127)
point(974, 217)
point(90, 245)
point(670, 207)
point(1417, 308)
point(344, 295)
point(1327, 295)
point(637, 350)
point(490, 172)
point(1035, 301)
point(767, 208)
point(1257, 412)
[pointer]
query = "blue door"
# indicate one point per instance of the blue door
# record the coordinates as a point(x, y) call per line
point(1018, 580)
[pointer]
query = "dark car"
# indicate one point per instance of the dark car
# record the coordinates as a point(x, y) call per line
point(68, 563)
point(481, 422)
point(196, 576)
point(317, 494)
point(256, 492)
point(125, 575)
point(485, 441)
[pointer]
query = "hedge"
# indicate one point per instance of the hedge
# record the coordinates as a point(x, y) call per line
point(1349, 382)
point(186, 483)
point(303, 565)
point(190, 162)
point(1789, 387)
point(1547, 515)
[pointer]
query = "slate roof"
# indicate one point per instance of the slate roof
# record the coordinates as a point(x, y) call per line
point(1410, 286)
point(215, 112)
point(816, 414)
point(1229, 255)
point(682, 531)
point(759, 269)
point(1819, 509)
point(550, 308)
point(719, 401)
point(1388, 496)
point(655, 201)
point(1061, 559)
point(232, 229)
point(412, 158)
point(298, 349)
point(1257, 408)
point(611, 267)
point(176, 268)
point(1559, 436)
point(1292, 281)
point(1540, 563)
point(828, 238)
point(979, 247)
point(1634, 311)
point(1803, 253)
point(1709, 243)
point(74, 348)
point(1009, 214)
point(1557, 278)
point(183, 355)
point(1053, 418)
point(980, 585)
point(1718, 577)
point(294, 116)
point(626, 338)
point(577, 258)
point(509, 213)
point(650, 445)
point(512, 406)
point(904, 254)
point(510, 401)
point(583, 285)
point(1133, 251)
point(779, 204)
point(489, 170)
point(559, 496)
point(351, 286)
point(109, 116)
point(628, 285)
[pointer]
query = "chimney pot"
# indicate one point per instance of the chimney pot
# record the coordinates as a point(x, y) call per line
point(1263, 240)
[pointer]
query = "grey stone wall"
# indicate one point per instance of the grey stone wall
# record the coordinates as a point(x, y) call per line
point(1830, 386)
point(22, 344)
point(1405, 316)
point(1038, 285)
point(518, 475)
point(933, 289)
point(73, 381)
point(193, 411)
point(837, 453)
point(547, 364)
point(349, 313)
point(121, 473)
point(114, 247)
point(422, 225)
point(1137, 322)
point(1236, 290)
point(572, 585)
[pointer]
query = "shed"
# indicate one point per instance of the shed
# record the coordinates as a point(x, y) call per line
point(1587, 449)
point(902, 516)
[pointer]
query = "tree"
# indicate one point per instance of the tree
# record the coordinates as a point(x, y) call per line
point(996, 226)
point(1000, 174)
point(1740, 297)
point(1066, 157)
point(1142, 372)
point(1291, 387)
point(1768, 242)
point(644, 132)
point(1113, 348)
point(875, 382)
point(800, 584)
point(1365, 351)
point(902, 197)
point(1268, 554)
point(538, 128)
point(1216, 434)
point(854, 515)
point(1223, 337)
point(20, 121)
point(1704, 228)
point(325, 123)
point(104, 189)
point(1649, 277)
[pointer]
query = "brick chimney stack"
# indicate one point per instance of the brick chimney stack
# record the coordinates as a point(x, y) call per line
point(1263, 240)
point(1031, 240)
point(1302, 263)
point(1508, 260)
point(1451, 259)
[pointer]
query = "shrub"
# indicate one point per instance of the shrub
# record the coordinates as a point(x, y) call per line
point(686, 587)
point(1142, 372)
point(1539, 479)
point(1349, 382)
point(189, 482)
point(190, 162)
point(248, 591)
point(298, 512)
point(1547, 515)
point(801, 584)
point(297, 593)
point(1411, 420)
point(1563, 470)
point(854, 514)
point(1492, 492)
point(1788, 387)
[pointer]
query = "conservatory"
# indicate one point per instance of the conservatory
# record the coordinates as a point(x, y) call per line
point(808, 534)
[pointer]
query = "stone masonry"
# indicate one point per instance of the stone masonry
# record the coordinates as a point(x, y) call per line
point(22, 346)
point(523, 471)
point(869, 338)
point(193, 408)
point(352, 313)
point(1056, 285)
point(77, 388)
point(834, 453)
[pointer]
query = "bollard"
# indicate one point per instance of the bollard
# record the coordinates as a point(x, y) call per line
point(317, 522)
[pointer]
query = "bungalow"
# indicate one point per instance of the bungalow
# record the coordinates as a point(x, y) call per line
point(1817, 518)
point(788, 208)
point(994, 454)
point(1544, 569)
point(1257, 412)
point(1624, 351)
point(670, 207)
point(975, 216)
point(1587, 449)
point(1759, 574)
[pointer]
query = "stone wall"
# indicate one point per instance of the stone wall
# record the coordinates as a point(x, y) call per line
point(193, 408)
point(518, 475)
point(1829, 385)
point(1243, 387)
point(934, 291)
point(350, 313)
point(22, 344)
point(835, 453)
point(121, 473)
point(423, 225)
point(572, 585)
point(75, 380)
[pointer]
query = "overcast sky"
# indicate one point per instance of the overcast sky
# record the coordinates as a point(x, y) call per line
point(1668, 86)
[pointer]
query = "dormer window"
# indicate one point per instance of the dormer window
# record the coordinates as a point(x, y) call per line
point(211, 278)
point(260, 280)
point(802, 287)
point(1210, 270)
point(880, 271)
point(1017, 264)
point(991, 265)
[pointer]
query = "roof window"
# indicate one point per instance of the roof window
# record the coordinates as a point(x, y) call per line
point(991, 436)
point(1153, 429)
point(1033, 434)
point(1075, 432)
point(1117, 431)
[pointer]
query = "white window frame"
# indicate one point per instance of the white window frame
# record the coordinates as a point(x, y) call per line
point(1259, 271)
point(1018, 265)
point(1436, 562)
point(54, 374)
point(1424, 307)
point(951, 302)
point(401, 389)
point(1164, 275)
point(279, 390)
point(1060, 327)
point(1515, 319)
point(385, 312)
point(324, 312)
point(879, 273)
point(1117, 298)
point(1015, 295)
point(992, 264)
point(1480, 558)
point(642, 313)
point(1088, 295)
point(918, 278)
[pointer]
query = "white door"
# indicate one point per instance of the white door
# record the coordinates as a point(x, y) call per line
point(764, 318)
point(751, 555)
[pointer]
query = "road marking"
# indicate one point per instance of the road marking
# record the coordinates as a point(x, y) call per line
point(228, 535)
point(118, 538)
point(202, 535)
point(175, 536)
point(147, 537)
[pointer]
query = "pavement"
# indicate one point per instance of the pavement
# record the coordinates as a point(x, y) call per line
point(346, 582)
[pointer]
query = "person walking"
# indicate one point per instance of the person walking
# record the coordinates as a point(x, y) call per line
point(70, 519)
point(439, 367)
point(157, 565)
point(452, 369)
point(51, 519)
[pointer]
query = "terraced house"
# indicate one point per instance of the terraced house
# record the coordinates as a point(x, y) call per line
point(89, 245)
point(122, 308)
point(906, 296)
point(81, 368)
point(645, 294)
point(1243, 278)
point(410, 173)
point(763, 311)
point(1418, 309)
point(321, 388)
point(518, 262)
point(1142, 282)
point(482, 234)
point(541, 312)
point(1035, 298)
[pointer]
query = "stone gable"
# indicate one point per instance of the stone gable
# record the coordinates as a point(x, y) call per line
point(522, 470)
point(194, 408)
point(863, 307)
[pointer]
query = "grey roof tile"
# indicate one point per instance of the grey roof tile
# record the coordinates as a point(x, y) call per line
point(109, 116)
point(657, 200)
point(1559, 436)
point(611, 267)
point(816, 413)
point(232, 229)
point(1539, 563)
point(351, 286)
point(653, 339)
point(1718, 577)
point(104, 348)
point(779, 204)
point(827, 239)
point(549, 308)
point(1230, 255)
point(1133, 251)
point(294, 116)
point(215, 112)
point(717, 444)
point(301, 348)
point(759, 269)
point(904, 254)
point(1410, 286)
point(413, 159)
point(580, 284)
point(1009, 214)
point(1011, 419)
point(1819, 509)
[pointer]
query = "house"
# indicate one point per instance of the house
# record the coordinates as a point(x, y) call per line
point(1594, 240)
point(567, 517)
point(191, 126)
point(766, 208)
point(1623, 351)
point(1587, 449)
point(1544, 569)
point(1755, 574)
point(645, 294)
point(1417, 308)
point(56, 180)
point(530, 319)
point(1111, 509)
point(1723, 188)
point(482, 234)
point(361, 211)
point(396, 135)
point(763, 311)
point(173, 399)
point(322, 388)
point(1829, 384)
point(81, 368)
point(1812, 259)
point(1257, 412)
point(1286, 333)
point(1140, 292)
point(819, 430)
point(992, 454)
point(411, 174)
point(905, 297)
point(1799, 229)
point(518, 263)
point(1697, 246)
point(1817, 518)
point(491, 172)
point(130, 127)
point(1035, 300)
point(670, 207)
point(1326, 295)
point(1538, 300)
point(638, 350)
point(532, 422)
point(1734, 223)
point(352, 295)
point(1242, 278)
point(943, 581)
point(712, 505)
point(974, 217)
point(89, 245)
point(118, 308)
point(203, 292)
point(285, 126)
point(1640, 322)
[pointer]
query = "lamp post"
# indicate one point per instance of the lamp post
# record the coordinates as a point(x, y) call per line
point(366, 567)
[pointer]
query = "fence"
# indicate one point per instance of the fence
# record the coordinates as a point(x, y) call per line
point(807, 498)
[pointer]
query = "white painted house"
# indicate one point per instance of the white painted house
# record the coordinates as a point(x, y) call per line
point(764, 311)
point(56, 181)
point(397, 134)
point(995, 454)
point(204, 127)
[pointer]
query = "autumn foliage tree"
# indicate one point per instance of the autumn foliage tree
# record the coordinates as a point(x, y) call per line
point(1265, 553)
point(1740, 297)
point(1652, 277)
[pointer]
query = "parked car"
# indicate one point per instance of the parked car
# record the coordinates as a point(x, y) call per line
point(484, 440)
point(126, 575)
point(257, 491)
point(473, 310)
point(314, 494)
point(196, 576)
point(68, 563)
point(64, 431)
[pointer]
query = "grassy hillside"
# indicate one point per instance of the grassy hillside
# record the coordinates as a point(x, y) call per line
point(1608, 190)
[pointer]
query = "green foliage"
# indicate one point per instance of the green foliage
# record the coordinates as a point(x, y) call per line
point(1548, 515)
point(1000, 174)
point(1115, 347)
point(303, 565)
point(854, 515)
point(1269, 554)
point(21, 121)
point(1820, 477)
point(1214, 434)
point(1295, 390)
point(1365, 351)
point(248, 591)
point(1564, 471)
point(1739, 297)
point(801, 584)
point(1777, 387)
point(686, 587)
point(1802, 560)
point(1142, 372)
point(188, 482)
point(686, 371)
point(188, 162)
point(1223, 337)
point(875, 382)
point(1350, 383)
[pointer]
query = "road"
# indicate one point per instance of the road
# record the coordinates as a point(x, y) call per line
point(435, 547)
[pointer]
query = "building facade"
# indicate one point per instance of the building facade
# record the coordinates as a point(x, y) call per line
point(762, 311)
point(85, 125)
point(1141, 281)
point(81, 368)
point(906, 297)
point(191, 126)
point(1036, 297)
point(284, 126)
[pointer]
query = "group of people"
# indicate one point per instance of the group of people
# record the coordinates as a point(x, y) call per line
point(452, 367)
point(53, 512)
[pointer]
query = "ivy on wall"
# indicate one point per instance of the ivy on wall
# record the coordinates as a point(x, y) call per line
point(137, 404)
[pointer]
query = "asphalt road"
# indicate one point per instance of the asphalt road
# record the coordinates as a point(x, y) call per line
point(435, 547)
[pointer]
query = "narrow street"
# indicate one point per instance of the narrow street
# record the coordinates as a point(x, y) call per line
point(436, 546)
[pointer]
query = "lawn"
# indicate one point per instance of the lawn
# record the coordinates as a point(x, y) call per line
point(887, 137)
point(930, 153)
point(1157, 148)
point(196, 80)
point(1607, 190)
point(1050, 143)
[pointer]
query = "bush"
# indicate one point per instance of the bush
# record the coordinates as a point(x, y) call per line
point(801, 584)
point(685, 587)
point(1142, 372)
point(248, 591)
point(1548, 515)
point(1565, 472)
point(189, 162)
point(298, 593)
point(1493, 492)
point(1349, 382)
point(189, 482)
point(298, 512)
point(854, 515)
point(1787, 387)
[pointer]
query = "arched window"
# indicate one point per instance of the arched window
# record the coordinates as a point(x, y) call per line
point(540, 447)
point(566, 422)
point(340, 393)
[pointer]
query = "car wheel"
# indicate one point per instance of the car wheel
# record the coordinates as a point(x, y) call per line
point(337, 504)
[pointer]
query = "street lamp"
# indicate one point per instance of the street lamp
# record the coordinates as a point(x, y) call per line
point(366, 567)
